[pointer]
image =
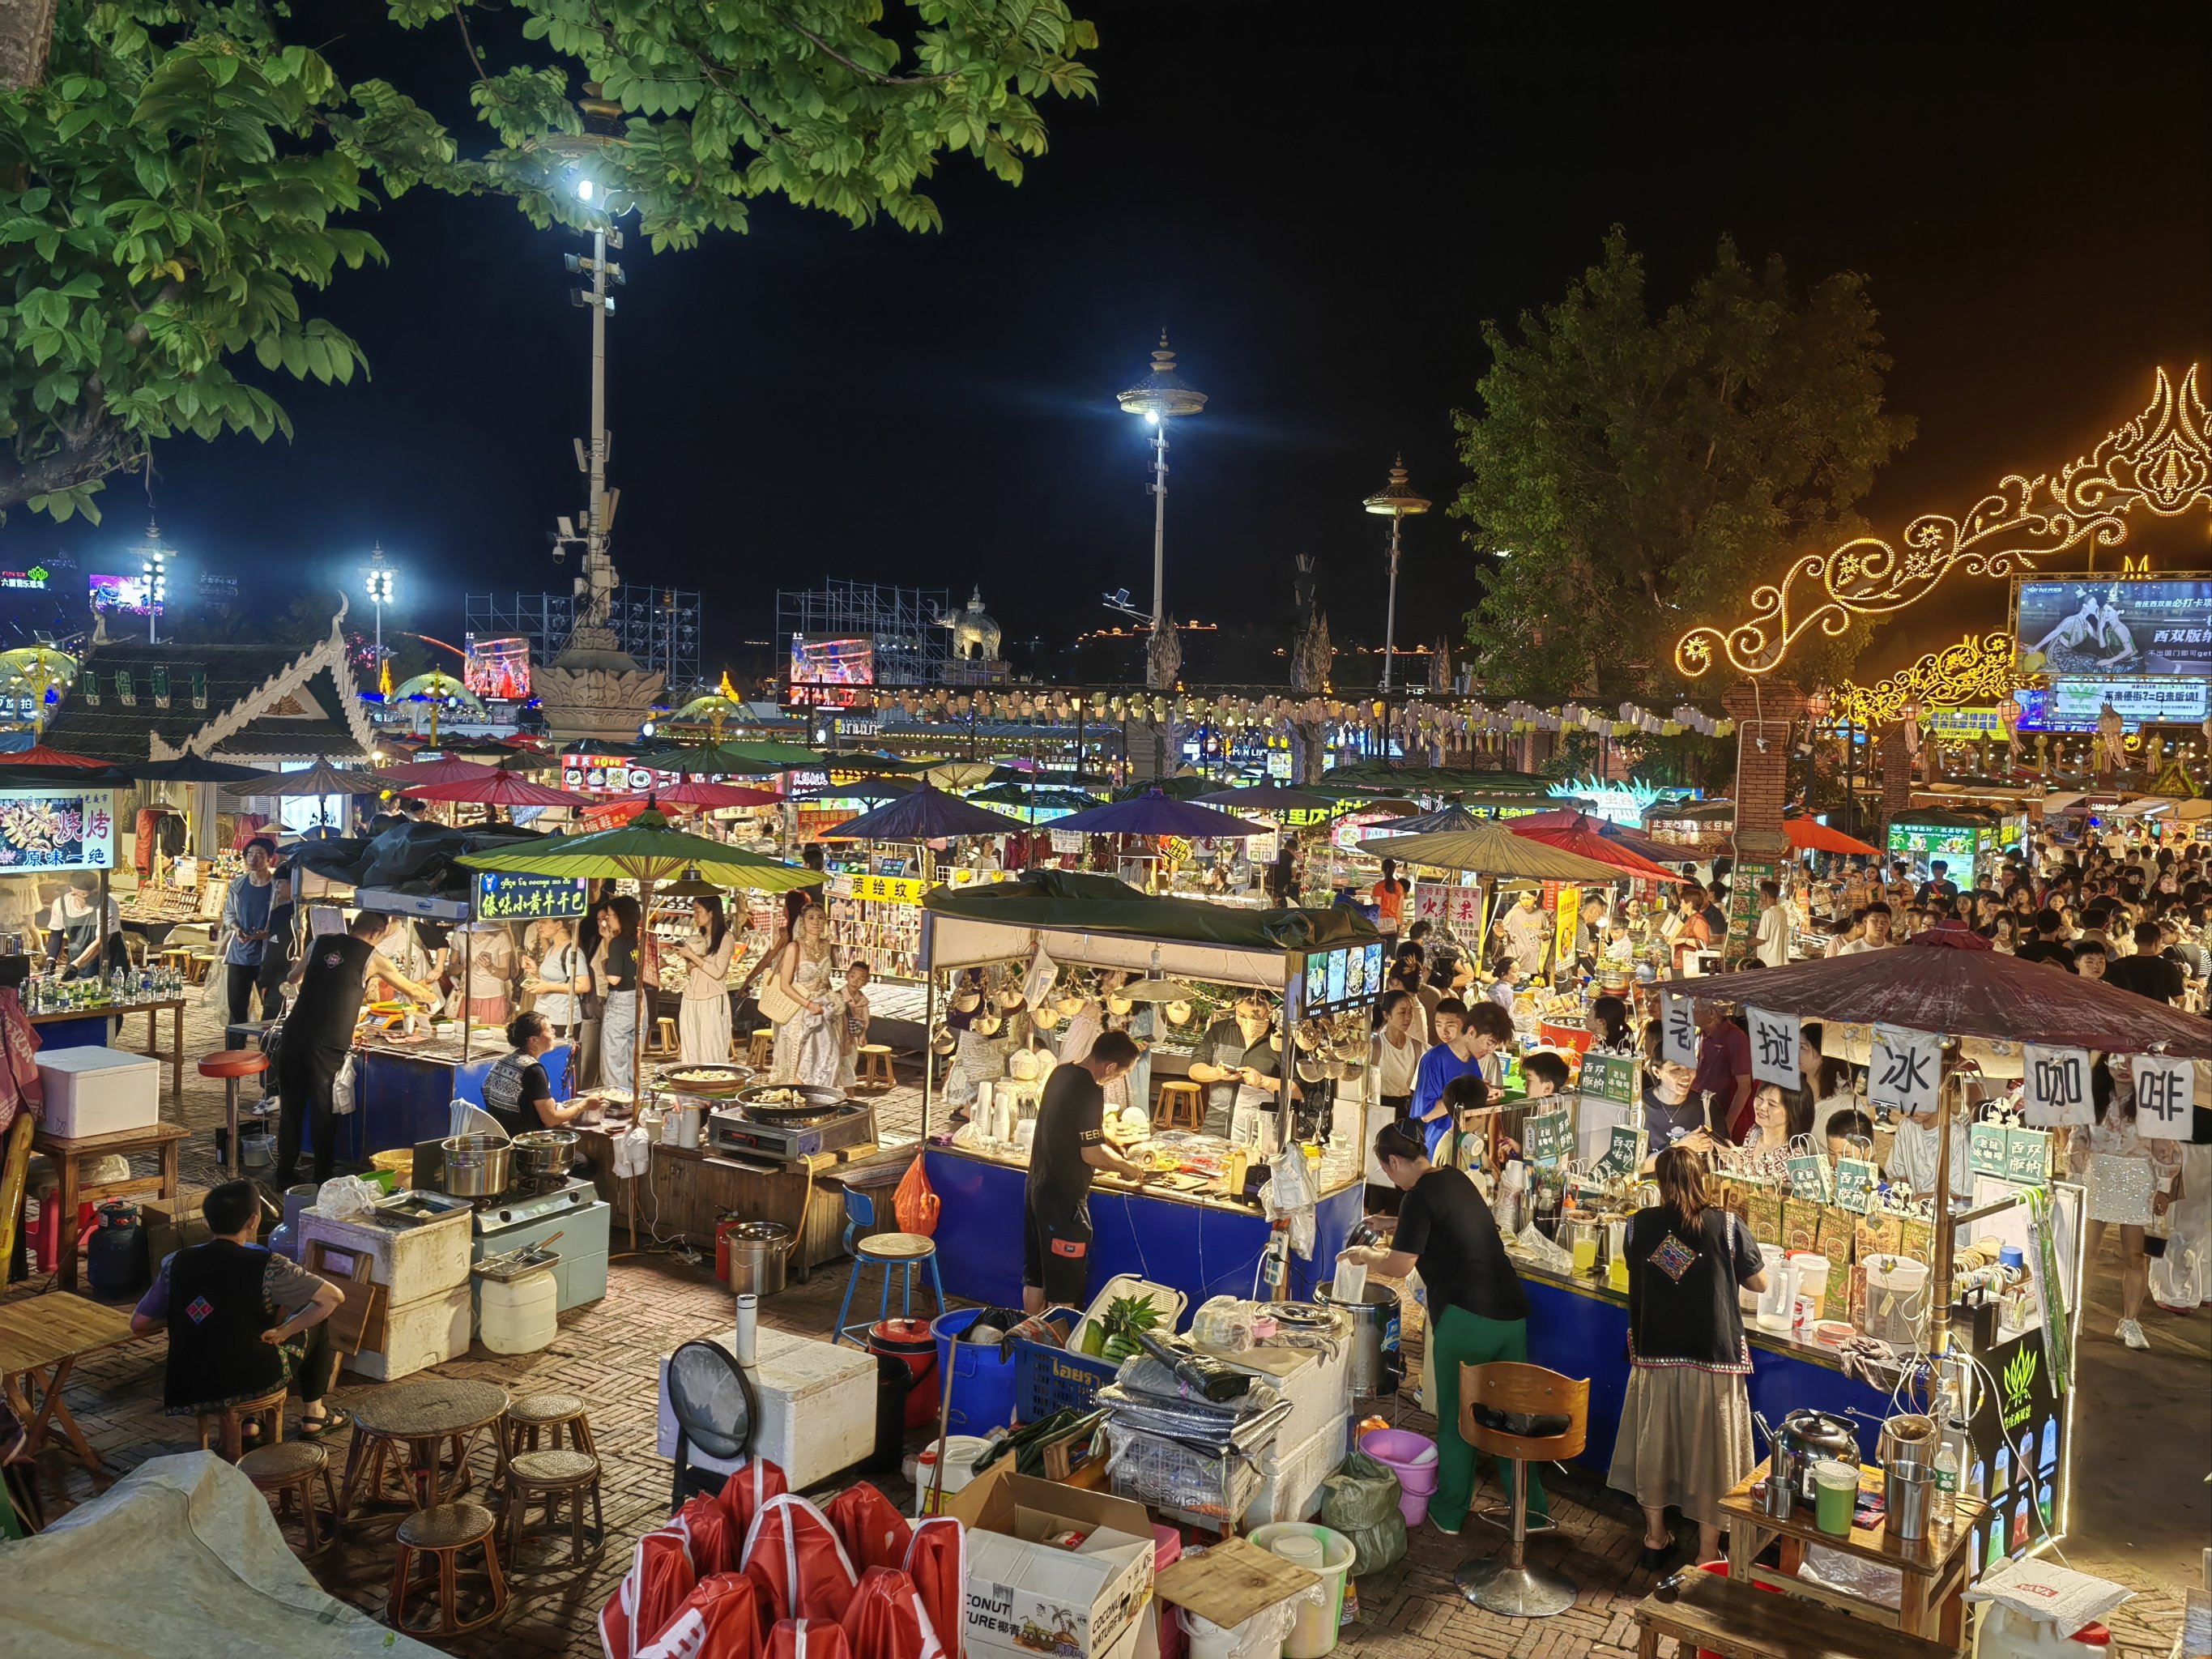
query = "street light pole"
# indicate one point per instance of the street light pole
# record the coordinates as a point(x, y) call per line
point(1161, 396)
point(1396, 499)
point(379, 583)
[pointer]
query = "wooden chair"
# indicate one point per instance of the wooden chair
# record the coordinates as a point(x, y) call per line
point(269, 1408)
point(1701, 1610)
point(1507, 1584)
point(443, 1533)
point(279, 1471)
point(1182, 1106)
point(876, 1074)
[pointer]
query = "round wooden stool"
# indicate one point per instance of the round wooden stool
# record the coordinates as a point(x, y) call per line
point(760, 1052)
point(230, 1065)
point(663, 1037)
point(1182, 1106)
point(550, 1414)
point(876, 1074)
point(232, 1420)
point(279, 1471)
point(444, 1532)
point(551, 1478)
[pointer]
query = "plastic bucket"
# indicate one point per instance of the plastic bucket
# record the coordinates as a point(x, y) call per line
point(1315, 1629)
point(1812, 1274)
point(981, 1375)
point(1896, 1300)
point(961, 1451)
point(1401, 1451)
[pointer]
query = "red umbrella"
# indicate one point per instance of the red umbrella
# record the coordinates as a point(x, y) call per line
point(1582, 836)
point(499, 789)
point(38, 755)
point(697, 792)
point(1809, 835)
point(1619, 835)
point(1948, 980)
point(450, 769)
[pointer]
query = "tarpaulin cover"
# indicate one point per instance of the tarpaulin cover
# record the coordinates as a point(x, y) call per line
point(746, 1492)
point(180, 1556)
point(795, 1561)
point(718, 1620)
point(886, 1619)
point(715, 1540)
point(868, 1524)
point(937, 1562)
point(658, 1582)
point(1948, 981)
point(1068, 900)
point(808, 1639)
point(408, 858)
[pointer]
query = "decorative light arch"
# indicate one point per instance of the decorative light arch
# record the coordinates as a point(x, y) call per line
point(1974, 671)
point(2160, 460)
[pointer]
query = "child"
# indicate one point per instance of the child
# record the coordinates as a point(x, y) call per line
point(1850, 1134)
point(1546, 1074)
point(853, 1030)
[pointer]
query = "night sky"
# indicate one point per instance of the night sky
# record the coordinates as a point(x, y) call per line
point(1321, 217)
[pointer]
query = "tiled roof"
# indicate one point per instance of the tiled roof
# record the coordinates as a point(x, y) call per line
point(234, 675)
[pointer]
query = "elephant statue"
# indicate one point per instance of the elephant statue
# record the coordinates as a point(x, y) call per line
point(974, 635)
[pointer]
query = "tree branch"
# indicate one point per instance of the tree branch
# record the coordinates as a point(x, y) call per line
point(136, 334)
point(862, 71)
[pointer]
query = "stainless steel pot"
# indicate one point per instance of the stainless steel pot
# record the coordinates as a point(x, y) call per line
point(542, 1156)
point(1374, 1335)
point(760, 1253)
point(476, 1165)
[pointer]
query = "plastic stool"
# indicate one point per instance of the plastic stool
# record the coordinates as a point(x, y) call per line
point(1182, 1106)
point(230, 1065)
point(445, 1532)
point(899, 1253)
point(876, 1074)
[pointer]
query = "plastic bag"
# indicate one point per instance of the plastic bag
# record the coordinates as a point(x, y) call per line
point(343, 1196)
point(342, 1089)
point(2042, 1589)
point(2178, 1280)
point(1869, 1580)
point(1289, 1196)
point(916, 1203)
point(1531, 1242)
point(1360, 1500)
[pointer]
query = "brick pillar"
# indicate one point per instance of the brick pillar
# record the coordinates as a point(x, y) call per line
point(1896, 775)
point(1764, 716)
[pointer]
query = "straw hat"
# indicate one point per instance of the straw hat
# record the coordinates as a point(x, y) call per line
point(987, 1025)
point(1118, 1005)
point(1009, 999)
point(967, 1001)
point(943, 1041)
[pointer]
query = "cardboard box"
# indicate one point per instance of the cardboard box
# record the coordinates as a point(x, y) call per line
point(1026, 1596)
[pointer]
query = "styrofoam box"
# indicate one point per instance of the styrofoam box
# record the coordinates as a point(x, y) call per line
point(99, 1092)
point(830, 1387)
point(1290, 1488)
point(1319, 1390)
point(419, 1334)
point(410, 1263)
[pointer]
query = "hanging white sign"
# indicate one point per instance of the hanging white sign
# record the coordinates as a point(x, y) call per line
point(2055, 1086)
point(2165, 1090)
point(1905, 1067)
point(1678, 1015)
point(1774, 1039)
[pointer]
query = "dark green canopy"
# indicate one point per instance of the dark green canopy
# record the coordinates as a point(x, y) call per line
point(1100, 904)
point(1428, 780)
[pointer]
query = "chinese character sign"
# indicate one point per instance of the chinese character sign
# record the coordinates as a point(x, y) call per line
point(1678, 1019)
point(2055, 1085)
point(1904, 1068)
point(504, 895)
point(1774, 1039)
point(2165, 1090)
point(43, 831)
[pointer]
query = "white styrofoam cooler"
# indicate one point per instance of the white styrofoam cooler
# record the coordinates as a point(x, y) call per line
point(1290, 1476)
point(831, 1386)
point(99, 1092)
point(420, 1335)
point(410, 1263)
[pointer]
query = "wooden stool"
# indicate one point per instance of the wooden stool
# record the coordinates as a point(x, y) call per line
point(1182, 1106)
point(663, 1037)
point(551, 1478)
point(876, 1073)
point(234, 1419)
point(550, 1412)
point(1703, 1610)
point(1507, 1584)
point(445, 1532)
point(230, 1065)
point(760, 1052)
point(281, 1470)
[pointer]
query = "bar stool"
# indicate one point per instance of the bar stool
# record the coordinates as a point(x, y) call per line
point(230, 1065)
point(443, 1533)
point(876, 1074)
point(1182, 1106)
point(233, 1419)
point(895, 1253)
point(1540, 1398)
point(551, 1478)
point(279, 1471)
point(760, 1052)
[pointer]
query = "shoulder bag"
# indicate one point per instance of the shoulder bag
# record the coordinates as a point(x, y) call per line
point(778, 1004)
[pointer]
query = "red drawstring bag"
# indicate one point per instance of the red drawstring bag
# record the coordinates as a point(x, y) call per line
point(808, 1639)
point(916, 1203)
point(743, 1494)
point(716, 1621)
point(796, 1563)
point(886, 1619)
point(713, 1540)
point(873, 1532)
point(659, 1577)
point(937, 1562)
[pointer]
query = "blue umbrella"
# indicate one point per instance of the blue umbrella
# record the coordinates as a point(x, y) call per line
point(926, 814)
point(1154, 814)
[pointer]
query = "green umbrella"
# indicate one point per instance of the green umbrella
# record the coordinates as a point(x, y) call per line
point(759, 756)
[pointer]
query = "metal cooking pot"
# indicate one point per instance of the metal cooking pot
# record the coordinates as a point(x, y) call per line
point(543, 1154)
point(1374, 1337)
point(760, 1251)
point(1807, 1437)
point(476, 1165)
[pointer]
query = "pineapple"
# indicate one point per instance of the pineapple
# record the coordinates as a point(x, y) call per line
point(1125, 1316)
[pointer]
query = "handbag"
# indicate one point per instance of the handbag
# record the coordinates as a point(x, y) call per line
point(2119, 1189)
point(777, 1004)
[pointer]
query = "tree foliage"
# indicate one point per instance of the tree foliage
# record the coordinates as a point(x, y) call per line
point(1632, 475)
point(184, 175)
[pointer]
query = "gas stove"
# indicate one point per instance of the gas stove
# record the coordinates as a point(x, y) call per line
point(733, 1134)
point(514, 1208)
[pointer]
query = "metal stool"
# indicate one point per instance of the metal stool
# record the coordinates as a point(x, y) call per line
point(279, 1471)
point(760, 1052)
point(551, 1478)
point(1507, 1584)
point(445, 1532)
point(876, 1073)
point(1182, 1106)
point(898, 1252)
point(230, 1065)
point(234, 1419)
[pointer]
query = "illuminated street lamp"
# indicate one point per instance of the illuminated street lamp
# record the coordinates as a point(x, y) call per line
point(378, 581)
point(1163, 395)
point(155, 565)
point(1397, 499)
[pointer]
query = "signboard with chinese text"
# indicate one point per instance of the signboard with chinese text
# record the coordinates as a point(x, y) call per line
point(1774, 1043)
point(507, 895)
point(51, 829)
point(1609, 1077)
point(2073, 705)
point(1548, 1136)
point(1904, 1067)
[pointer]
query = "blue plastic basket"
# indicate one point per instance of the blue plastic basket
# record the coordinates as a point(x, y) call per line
point(1048, 1379)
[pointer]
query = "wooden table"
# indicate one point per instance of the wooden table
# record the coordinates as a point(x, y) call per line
point(1719, 1615)
point(68, 1152)
point(1935, 1569)
point(41, 1339)
point(174, 1053)
point(424, 1415)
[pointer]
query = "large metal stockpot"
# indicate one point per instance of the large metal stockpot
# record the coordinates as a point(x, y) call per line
point(1373, 1318)
point(476, 1164)
point(760, 1252)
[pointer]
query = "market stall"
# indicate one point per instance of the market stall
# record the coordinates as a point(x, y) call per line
point(1195, 1226)
point(885, 860)
point(1970, 841)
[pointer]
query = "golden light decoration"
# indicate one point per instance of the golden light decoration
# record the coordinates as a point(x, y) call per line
point(2160, 460)
point(1973, 671)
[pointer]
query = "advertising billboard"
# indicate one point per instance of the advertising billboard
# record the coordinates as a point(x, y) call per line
point(2073, 705)
point(498, 668)
point(132, 595)
point(48, 829)
point(2094, 627)
point(831, 671)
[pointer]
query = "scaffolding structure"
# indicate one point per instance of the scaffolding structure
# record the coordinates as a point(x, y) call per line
point(661, 627)
point(911, 646)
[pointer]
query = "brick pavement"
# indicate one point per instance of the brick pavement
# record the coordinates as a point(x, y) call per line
point(609, 1353)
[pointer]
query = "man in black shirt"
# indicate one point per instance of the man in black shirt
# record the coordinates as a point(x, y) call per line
point(2046, 945)
point(2146, 973)
point(1070, 1144)
point(318, 1033)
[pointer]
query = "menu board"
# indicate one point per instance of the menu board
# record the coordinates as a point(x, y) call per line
point(1446, 906)
point(48, 829)
point(1341, 979)
point(504, 896)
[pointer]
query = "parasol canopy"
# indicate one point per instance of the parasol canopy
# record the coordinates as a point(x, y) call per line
point(1948, 980)
point(1269, 797)
point(38, 755)
point(727, 757)
point(645, 849)
point(1448, 817)
point(700, 793)
point(1809, 836)
point(1189, 787)
point(189, 768)
point(1154, 813)
point(925, 814)
point(320, 778)
point(961, 774)
point(1582, 836)
point(497, 788)
point(449, 768)
point(1493, 850)
point(876, 789)
point(1050, 797)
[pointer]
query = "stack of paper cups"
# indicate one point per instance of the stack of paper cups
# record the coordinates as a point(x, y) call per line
point(748, 1337)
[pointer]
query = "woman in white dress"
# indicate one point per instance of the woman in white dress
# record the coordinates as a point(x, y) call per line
point(2130, 1179)
point(806, 1044)
point(702, 1024)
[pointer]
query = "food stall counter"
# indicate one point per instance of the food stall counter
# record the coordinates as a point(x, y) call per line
point(403, 1091)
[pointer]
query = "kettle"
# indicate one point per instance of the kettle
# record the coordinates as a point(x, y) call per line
point(1807, 1436)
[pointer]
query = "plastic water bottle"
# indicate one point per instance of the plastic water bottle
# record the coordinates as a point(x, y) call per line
point(1947, 1483)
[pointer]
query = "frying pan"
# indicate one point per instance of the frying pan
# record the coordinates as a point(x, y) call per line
point(818, 1101)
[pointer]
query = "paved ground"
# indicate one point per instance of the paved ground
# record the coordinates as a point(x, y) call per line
point(2144, 1429)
